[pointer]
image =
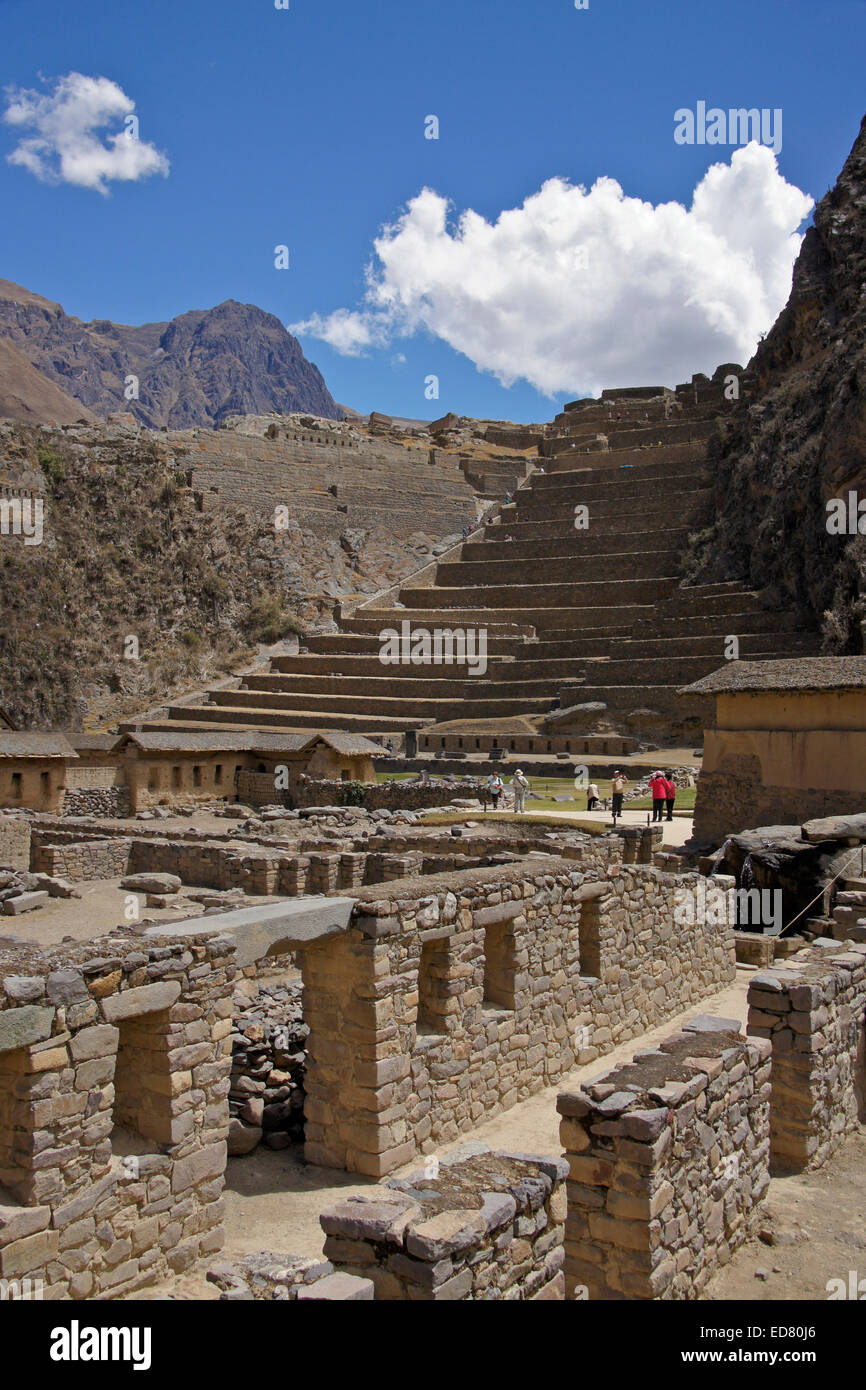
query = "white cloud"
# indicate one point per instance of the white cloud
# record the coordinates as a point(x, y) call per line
point(578, 290)
point(66, 143)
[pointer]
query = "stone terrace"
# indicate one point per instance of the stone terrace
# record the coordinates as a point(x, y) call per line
point(586, 615)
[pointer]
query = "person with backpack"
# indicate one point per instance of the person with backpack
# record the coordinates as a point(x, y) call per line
point(591, 796)
point(521, 787)
point(670, 794)
point(617, 788)
point(495, 788)
point(659, 789)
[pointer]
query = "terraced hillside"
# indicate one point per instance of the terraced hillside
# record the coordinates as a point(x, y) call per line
point(574, 613)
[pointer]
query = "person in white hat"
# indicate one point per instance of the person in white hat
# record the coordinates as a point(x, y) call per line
point(521, 787)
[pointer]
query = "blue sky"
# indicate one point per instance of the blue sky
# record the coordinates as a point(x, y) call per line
point(305, 127)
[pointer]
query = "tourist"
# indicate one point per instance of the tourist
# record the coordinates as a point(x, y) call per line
point(659, 789)
point(617, 787)
point(592, 797)
point(521, 787)
point(495, 788)
point(670, 794)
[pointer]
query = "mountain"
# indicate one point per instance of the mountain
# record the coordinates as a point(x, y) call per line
point(27, 395)
point(802, 439)
point(195, 370)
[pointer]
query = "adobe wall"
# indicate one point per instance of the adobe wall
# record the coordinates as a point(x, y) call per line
point(114, 1076)
point(457, 996)
point(181, 778)
point(668, 1160)
point(82, 776)
point(813, 1014)
point(32, 782)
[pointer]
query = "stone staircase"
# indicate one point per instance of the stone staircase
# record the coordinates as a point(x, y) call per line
point(571, 615)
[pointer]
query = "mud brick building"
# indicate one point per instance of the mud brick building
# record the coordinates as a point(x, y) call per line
point(789, 743)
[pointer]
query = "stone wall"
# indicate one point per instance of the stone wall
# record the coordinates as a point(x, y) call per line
point(668, 1159)
point(487, 1227)
point(83, 860)
point(114, 1076)
point(258, 789)
point(454, 997)
point(96, 801)
point(813, 1012)
point(269, 1059)
point(387, 796)
point(14, 842)
point(728, 803)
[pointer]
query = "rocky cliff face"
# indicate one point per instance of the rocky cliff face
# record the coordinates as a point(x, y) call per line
point(195, 370)
point(803, 439)
point(126, 552)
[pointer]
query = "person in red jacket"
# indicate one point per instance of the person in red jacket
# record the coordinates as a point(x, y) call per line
point(659, 789)
point(670, 794)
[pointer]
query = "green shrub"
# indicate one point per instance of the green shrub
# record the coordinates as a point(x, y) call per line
point(268, 620)
point(51, 463)
point(352, 794)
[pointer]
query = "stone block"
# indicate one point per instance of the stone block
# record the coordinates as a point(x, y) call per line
point(25, 902)
point(337, 1288)
point(25, 1026)
point(145, 999)
point(100, 1041)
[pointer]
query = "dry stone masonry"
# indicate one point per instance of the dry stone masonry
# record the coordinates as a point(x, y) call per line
point(455, 997)
point(668, 1159)
point(484, 1227)
point(114, 1078)
point(812, 1011)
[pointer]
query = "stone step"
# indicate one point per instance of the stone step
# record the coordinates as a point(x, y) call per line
point(604, 593)
point(543, 661)
point(417, 704)
point(371, 620)
point(604, 520)
point(623, 564)
point(569, 619)
point(285, 720)
point(611, 468)
point(745, 620)
point(338, 644)
point(573, 543)
point(617, 489)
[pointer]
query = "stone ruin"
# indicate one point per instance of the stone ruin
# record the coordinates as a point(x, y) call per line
point(436, 991)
